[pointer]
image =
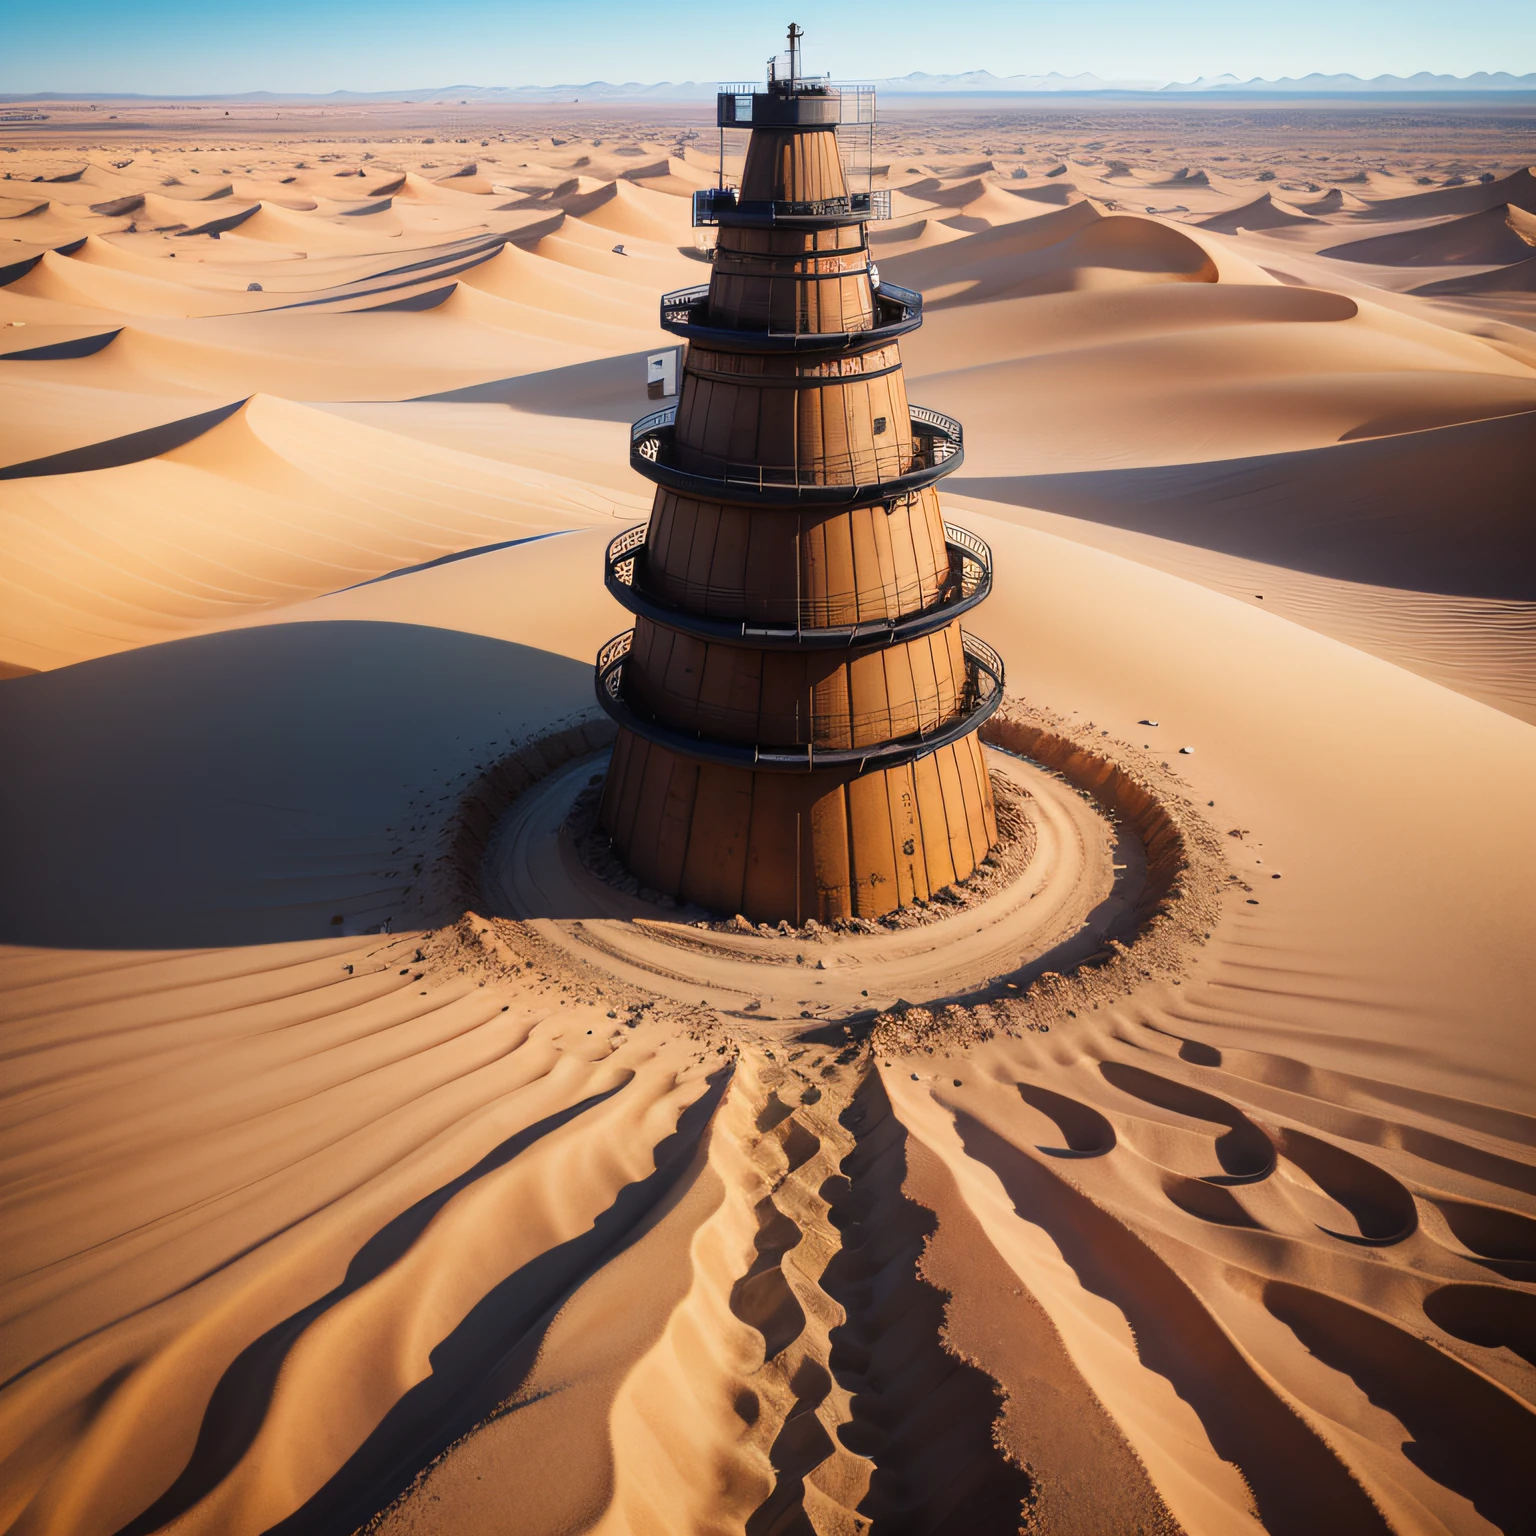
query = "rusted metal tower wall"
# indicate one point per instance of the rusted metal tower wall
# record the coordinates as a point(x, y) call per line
point(728, 543)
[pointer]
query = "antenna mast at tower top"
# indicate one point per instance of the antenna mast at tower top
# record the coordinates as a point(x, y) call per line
point(795, 34)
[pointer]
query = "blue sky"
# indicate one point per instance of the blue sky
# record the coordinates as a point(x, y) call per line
point(185, 47)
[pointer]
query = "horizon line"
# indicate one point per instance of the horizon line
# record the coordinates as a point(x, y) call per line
point(1217, 85)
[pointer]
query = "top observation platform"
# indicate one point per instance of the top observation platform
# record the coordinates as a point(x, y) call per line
point(798, 104)
point(789, 104)
point(793, 100)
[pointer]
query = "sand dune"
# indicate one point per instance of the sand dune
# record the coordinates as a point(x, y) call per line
point(1273, 399)
point(1369, 511)
point(43, 418)
point(967, 206)
point(1496, 236)
point(1517, 189)
point(914, 235)
point(527, 1217)
point(1136, 383)
point(946, 195)
point(145, 259)
point(635, 210)
point(513, 274)
point(42, 223)
point(1334, 200)
point(1057, 193)
point(1263, 212)
point(1479, 646)
point(1076, 248)
point(638, 259)
point(275, 503)
point(668, 174)
point(561, 186)
point(972, 169)
point(1517, 276)
point(63, 280)
point(990, 206)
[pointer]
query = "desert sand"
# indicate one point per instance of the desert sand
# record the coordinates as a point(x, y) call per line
point(368, 1159)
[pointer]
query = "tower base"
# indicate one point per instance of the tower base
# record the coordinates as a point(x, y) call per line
point(788, 847)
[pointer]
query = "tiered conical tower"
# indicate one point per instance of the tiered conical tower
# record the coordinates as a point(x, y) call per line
point(797, 702)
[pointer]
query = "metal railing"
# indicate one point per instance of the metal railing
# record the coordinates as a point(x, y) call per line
point(805, 85)
point(936, 449)
point(665, 417)
point(970, 562)
point(945, 428)
point(897, 310)
point(713, 205)
point(736, 102)
point(622, 550)
point(980, 695)
point(681, 302)
point(713, 612)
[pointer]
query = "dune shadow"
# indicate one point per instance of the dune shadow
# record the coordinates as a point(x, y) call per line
point(1444, 510)
point(1243, 1150)
point(1464, 1431)
point(1298, 1484)
point(130, 448)
point(1501, 1240)
point(1382, 1208)
point(64, 351)
point(1085, 1132)
point(605, 389)
point(239, 1403)
point(256, 786)
point(479, 1369)
point(1491, 1316)
point(923, 1414)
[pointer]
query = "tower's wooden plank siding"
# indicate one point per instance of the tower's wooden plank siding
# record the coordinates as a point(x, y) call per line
point(717, 853)
point(823, 844)
point(738, 562)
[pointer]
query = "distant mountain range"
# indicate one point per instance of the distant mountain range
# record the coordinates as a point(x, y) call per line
point(984, 81)
point(976, 82)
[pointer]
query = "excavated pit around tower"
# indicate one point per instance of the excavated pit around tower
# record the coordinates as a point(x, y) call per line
point(1123, 880)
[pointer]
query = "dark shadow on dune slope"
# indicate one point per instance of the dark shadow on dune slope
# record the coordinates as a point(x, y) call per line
point(128, 449)
point(455, 557)
point(1464, 1431)
point(1518, 277)
point(446, 260)
point(920, 1412)
point(1518, 188)
point(1493, 236)
point(64, 351)
point(1446, 510)
point(1300, 1486)
point(478, 1371)
point(252, 786)
point(1243, 1150)
point(606, 389)
point(13, 270)
point(416, 303)
point(238, 1406)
